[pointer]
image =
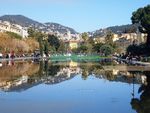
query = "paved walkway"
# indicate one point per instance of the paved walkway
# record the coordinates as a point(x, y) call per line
point(20, 58)
point(133, 62)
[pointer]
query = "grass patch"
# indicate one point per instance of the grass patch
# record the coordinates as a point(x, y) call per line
point(77, 58)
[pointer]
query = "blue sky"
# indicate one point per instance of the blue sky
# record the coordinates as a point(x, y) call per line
point(82, 15)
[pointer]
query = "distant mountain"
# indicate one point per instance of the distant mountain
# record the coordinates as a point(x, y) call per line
point(27, 22)
point(21, 20)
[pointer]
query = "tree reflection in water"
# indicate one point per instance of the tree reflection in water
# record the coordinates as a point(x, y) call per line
point(20, 76)
point(142, 105)
point(23, 75)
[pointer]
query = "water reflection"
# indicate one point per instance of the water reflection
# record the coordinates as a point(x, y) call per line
point(16, 74)
point(19, 76)
point(86, 86)
point(142, 104)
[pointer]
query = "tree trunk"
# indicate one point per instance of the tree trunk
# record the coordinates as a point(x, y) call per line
point(148, 39)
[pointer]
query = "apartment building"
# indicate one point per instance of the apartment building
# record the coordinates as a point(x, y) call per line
point(8, 27)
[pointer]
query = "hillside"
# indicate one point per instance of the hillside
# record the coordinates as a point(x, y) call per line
point(21, 20)
point(115, 29)
point(130, 28)
point(58, 27)
point(27, 22)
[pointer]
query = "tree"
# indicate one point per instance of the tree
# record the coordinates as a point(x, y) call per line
point(109, 38)
point(63, 47)
point(33, 44)
point(10, 43)
point(35, 33)
point(89, 48)
point(106, 50)
point(85, 37)
point(83, 49)
point(97, 47)
point(54, 41)
point(52, 50)
point(142, 17)
point(40, 40)
point(134, 49)
point(91, 41)
point(131, 29)
point(31, 32)
point(46, 47)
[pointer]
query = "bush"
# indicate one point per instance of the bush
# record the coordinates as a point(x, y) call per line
point(14, 35)
point(8, 44)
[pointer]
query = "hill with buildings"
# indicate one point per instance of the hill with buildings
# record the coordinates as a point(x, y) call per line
point(58, 28)
point(129, 28)
point(45, 27)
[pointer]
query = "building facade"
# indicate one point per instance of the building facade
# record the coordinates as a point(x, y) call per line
point(8, 27)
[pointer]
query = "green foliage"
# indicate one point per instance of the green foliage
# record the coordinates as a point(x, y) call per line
point(53, 70)
point(91, 41)
point(109, 38)
point(54, 41)
point(131, 29)
point(142, 17)
point(106, 50)
point(40, 40)
point(52, 50)
point(39, 36)
point(82, 49)
point(14, 35)
point(142, 104)
point(31, 32)
point(89, 48)
point(63, 47)
point(85, 74)
point(75, 50)
point(141, 49)
point(46, 47)
point(35, 34)
point(133, 49)
point(97, 47)
point(85, 36)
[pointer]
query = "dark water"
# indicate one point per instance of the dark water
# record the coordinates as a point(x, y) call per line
point(70, 87)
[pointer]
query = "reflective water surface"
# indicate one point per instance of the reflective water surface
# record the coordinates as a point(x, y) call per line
point(73, 87)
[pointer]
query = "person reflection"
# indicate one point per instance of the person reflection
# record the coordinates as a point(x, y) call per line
point(10, 63)
point(142, 105)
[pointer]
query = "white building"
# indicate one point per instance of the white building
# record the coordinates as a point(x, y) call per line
point(68, 36)
point(8, 27)
point(139, 37)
